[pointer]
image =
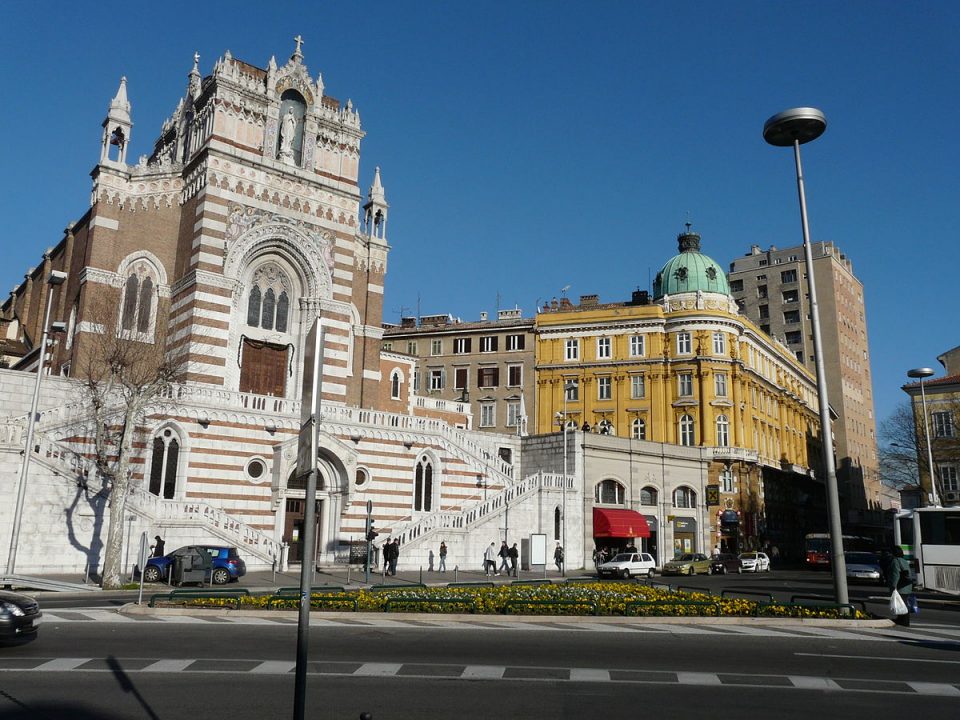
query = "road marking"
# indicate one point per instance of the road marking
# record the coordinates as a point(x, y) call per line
point(62, 664)
point(876, 657)
point(589, 675)
point(483, 672)
point(378, 669)
point(168, 665)
point(928, 688)
point(273, 667)
point(697, 678)
point(805, 682)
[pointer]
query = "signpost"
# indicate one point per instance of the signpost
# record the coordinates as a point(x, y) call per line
point(369, 536)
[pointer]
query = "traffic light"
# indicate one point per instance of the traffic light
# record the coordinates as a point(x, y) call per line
point(371, 533)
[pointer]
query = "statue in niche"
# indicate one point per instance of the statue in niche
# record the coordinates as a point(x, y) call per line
point(288, 126)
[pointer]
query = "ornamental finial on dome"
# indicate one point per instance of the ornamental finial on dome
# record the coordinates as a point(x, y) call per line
point(689, 241)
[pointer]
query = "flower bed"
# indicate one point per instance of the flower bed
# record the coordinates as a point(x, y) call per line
point(592, 598)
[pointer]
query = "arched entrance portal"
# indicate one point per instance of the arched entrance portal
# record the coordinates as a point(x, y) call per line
point(332, 489)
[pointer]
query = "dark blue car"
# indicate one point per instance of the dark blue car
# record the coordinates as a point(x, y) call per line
point(227, 564)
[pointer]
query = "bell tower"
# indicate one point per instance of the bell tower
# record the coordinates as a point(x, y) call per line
point(375, 210)
point(117, 127)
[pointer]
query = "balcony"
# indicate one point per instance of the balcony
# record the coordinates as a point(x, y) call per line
point(735, 454)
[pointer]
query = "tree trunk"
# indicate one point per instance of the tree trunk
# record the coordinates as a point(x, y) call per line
point(113, 552)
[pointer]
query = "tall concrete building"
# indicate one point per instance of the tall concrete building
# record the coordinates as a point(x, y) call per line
point(772, 290)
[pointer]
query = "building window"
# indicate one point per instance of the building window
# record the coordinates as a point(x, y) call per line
point(685, 384)
point(460, 377)
point(792, 338)
point(423, 486)
point(571, 390)
point(488, 377)
point(138, 297)
point(436, 347)
point(788, 276)
point(686, 430)
point(948, 478)
point(684, 497)
point(638, 387)
point(411, 347)
point(603, 348)
point(736, 286)
point(437, 379)
point(609, 492)
point(387, 346)
point(163, 464)
point(572, 349)
point(762, 292)
point(604, 388)
point(723, 431)
point(943, 425)
point(684, 344)
point(726, 480)
point(720, 385)
point(515, 342)
point(638, 345)
point(764, 311)
point(395, 385)
point(760, 277)
point(648, 496)
point(461, 346)
point(791, 296)
point(268, 305)
point(719, 343)
point(488, 344)
point(514, 375)
point(416, 381)
point(639, 429)
point(556, 523)
point(488, 414)
point(791, 316)
point(513, 413)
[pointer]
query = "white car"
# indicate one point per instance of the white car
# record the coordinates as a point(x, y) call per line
point(627, 565)
point(755, 562)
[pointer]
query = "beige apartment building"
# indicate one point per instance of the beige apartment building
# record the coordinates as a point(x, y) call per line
point(485, 363)
point(771, 288)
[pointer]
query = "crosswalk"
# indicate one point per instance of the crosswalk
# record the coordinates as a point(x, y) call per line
point(917, 632)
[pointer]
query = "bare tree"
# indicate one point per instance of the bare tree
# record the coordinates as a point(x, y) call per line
point(902, 459)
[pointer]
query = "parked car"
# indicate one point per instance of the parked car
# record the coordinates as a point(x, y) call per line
point(864, 567)
point(19, 616)
point(755, 562)
point(625, 565)
point(722, 563)
point(227, 565)
point(688, 564)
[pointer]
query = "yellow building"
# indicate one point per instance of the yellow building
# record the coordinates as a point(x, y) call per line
point(686, 368)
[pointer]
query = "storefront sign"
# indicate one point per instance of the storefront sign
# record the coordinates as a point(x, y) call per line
point(684, 524)
point(713, 495)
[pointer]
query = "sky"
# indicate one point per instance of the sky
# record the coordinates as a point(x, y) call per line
point(531, 146)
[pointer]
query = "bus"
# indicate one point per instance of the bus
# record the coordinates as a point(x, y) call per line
point(816, 548)
point(930, 539)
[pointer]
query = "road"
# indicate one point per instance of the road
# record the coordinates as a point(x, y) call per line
point(98, 664)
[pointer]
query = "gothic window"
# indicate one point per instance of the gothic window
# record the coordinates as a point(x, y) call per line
point(163, 464)
point(556, 524)
point(395, 385)
point(137, 307)
point(609, 492)
point(268, 301)
point(423, 486)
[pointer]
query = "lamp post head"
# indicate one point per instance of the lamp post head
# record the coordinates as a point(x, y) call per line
point(801, 124)
point(920, 373)
point(56, 277)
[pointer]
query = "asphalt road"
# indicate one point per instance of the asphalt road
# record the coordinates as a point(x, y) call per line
point(400, 669)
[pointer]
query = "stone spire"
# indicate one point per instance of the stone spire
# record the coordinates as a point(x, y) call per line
point(120, 106)
point(194, 81)
point(375, 209)
point(117, 126)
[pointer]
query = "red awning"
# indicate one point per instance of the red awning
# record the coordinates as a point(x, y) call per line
point(608, 522)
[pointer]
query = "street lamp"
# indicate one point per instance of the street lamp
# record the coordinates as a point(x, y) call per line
point(55, 278)
point(793, 128)
point(921, 373)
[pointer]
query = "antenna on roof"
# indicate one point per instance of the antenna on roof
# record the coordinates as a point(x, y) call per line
point(563, 290)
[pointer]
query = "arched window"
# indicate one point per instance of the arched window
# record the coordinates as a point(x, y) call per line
point(423, 486)
point(163, 464)
point(253, 307)
point(639, 429)
point(268, 300)
point(686, 430)
point(723, 431)
point(268, 309)
point(556, 523)
point(684, 497)
point(137, 306)
point(395, 385)
point(648, 496)
point(609, 492)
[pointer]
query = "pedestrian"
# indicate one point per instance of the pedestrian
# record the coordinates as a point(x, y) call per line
point(898, 580)
point(394, 556)
point(514, 556)
point(386, 550)
point(490, 560)
point(158, 547)
point(630, 548)
point(774, 554)
point(558, 557)
point(430, 561)
point(504, 558)
point(443, 557)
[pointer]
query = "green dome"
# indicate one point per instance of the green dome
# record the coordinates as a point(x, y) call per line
point(690, 271)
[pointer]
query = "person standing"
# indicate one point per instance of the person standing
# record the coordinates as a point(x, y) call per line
point(558, 557)
point(158, 547)
point(394, 556)
point(490, 559)
point(898, 578)
point(443, 557)
point(514, 556)
point(504, 558)
point(386, 550)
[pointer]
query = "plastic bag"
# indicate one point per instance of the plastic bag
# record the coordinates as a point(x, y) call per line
point(897, 605)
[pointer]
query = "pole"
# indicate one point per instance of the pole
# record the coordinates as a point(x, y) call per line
point(366, 570)
point(306, 575)
point(28, 449)
point(934, 495)
point(838, 564)
point(563, 490)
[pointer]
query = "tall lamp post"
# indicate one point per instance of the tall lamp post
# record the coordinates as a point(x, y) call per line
point(564, 424)
point(55, 278)
point(793, 128)
point(921, 373)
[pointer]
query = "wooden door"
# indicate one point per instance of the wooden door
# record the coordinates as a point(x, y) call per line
point(263, 368)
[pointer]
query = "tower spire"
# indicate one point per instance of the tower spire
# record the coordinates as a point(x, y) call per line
point(117, 126)
point(375, 209)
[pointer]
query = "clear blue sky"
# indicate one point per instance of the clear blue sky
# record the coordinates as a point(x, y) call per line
point(526, 146)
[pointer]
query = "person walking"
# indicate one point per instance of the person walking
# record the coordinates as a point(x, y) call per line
point(558, 557)
point(898, 579)
point(514, 556)
point(158, 547)
point(394, 556)
point(386, 551)
point(442, 567)
point(490, 560)
point(504, 554)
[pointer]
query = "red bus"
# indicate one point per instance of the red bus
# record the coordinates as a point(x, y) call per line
point(816, 548)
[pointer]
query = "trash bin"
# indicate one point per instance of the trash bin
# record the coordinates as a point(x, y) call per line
point(190, 568)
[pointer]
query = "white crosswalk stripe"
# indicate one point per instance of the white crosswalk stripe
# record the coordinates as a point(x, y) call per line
point(60, 664)
point(805, 682)
point(927, 688)
point(378, 669)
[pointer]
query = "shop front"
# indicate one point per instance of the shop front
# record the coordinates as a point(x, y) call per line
point(615, 530)
point(729, 523)
point(684, 536)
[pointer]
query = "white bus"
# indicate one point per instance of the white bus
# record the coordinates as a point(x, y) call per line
point(930, 538)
